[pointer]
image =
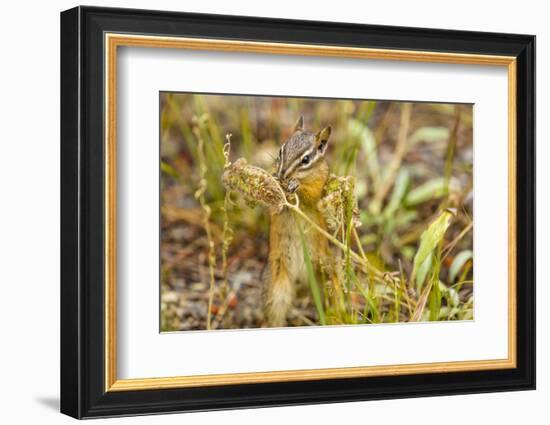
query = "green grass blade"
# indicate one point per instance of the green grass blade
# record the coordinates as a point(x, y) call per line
point(368, 145)
point(458, 263)
point(422, 272)
point(430, 239)
point(400, 187)
point(312, 279)
point(435, 294)
point(430, 135)
point(432, 189)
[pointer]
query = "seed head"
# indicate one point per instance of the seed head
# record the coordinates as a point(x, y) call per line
point(254, 184)
point(338, 204)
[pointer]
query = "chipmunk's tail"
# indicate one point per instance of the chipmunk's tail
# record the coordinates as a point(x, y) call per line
point(278, 296)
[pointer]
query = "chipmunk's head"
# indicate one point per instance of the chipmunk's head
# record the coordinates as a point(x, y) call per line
point(301, 159)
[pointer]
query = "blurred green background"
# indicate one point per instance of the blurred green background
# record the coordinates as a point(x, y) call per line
point(403, 185)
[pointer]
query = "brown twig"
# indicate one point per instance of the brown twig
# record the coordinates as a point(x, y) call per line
point(417, 315)
point(447, 250)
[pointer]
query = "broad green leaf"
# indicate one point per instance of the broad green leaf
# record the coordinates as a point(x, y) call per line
point(405, 217)
point(430, 134)
point(432, 189)
point(458, 263)
point(430, 238)
point(450, 294)
point(399, 188)
point(368, 145)
point(423, 270)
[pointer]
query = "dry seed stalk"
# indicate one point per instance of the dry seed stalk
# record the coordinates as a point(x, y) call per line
point(199, 195)
point(227, 235)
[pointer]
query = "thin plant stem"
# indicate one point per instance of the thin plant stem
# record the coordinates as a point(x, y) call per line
point(227, 235)
point(343, 247)
point(358, 243)
point(199, 195)
point(447, 250)
point(227, 238)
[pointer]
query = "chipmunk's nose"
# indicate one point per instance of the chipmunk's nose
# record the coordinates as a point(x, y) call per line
point(280, 169)
point(279, 174)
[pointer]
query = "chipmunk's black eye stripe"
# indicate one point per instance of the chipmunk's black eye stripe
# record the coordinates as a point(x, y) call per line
point(280, 161)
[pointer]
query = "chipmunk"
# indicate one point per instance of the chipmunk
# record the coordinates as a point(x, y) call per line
point(301, 169)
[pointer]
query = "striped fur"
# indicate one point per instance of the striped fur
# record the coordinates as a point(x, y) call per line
point(302, 169)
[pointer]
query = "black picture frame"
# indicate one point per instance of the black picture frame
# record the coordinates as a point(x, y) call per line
point(83, 392)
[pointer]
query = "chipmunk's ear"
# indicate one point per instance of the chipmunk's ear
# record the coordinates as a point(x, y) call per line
point(321, 138)
point(299, 126)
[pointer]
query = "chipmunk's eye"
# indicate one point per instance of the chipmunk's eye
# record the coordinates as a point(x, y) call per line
point(305, 159)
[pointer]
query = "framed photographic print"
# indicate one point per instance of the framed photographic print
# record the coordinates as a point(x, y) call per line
point(261, 212)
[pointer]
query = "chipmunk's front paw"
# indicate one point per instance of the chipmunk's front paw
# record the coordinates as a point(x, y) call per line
point(292, 186)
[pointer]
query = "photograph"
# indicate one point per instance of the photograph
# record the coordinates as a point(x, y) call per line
point(262, 211)
point(281, 211)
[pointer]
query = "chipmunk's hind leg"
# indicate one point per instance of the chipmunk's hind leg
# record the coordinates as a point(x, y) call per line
point(278, 297)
